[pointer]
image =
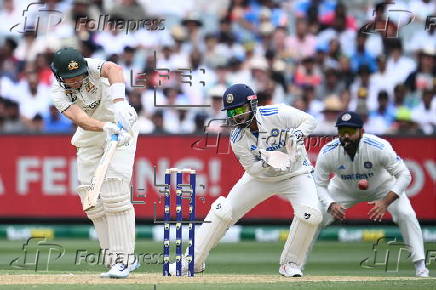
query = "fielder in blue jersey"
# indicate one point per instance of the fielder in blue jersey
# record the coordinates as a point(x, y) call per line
point(356, 157)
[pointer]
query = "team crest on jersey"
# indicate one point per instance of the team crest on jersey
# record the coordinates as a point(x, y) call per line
point(275, 132)
point(229, 98)
point(367, 164)
point(73, 65)
point(346, 117)
point(90, 87)
point(71, 95)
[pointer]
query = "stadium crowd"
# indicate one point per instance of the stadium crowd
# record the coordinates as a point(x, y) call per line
point(321, 56)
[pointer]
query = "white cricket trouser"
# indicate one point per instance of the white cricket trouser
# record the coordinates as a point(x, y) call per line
point(246, 194)
point(114, 216)
point(401, 211)
point(249, 192)
point(121, 166)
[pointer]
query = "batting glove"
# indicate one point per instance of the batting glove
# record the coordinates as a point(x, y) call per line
point(111, 129)
point(125, 114)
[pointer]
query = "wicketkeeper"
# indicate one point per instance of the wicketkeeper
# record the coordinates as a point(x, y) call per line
point(267, 140)
point(91, 93)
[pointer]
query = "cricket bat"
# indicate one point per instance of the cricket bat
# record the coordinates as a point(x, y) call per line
point(100, 173)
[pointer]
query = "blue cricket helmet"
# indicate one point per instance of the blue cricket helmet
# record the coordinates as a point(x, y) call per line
point(237, 95)
point(349, 119)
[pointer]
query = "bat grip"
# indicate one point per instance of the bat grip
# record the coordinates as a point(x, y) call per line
point(115, 136)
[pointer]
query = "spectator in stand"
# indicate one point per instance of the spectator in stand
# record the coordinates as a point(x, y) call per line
point(422, 38)
point(308, 73)
point(10, 65)
point(309, 103)
point(55, 122)
point(346, 37)
point(398, 65)
point(130, 67)
point(10, 14)
point(345, 72)
point(424, 77)
point(362, 89)
point(12, 122)
point(334, 52)
point(144, 124)
point(332, 108)
point(425, 113)
point(361, 56)
point(340, 11)
point(129, 9)
point(216, 117)
point(302, 44)
point(401, 98)
point(381, 80)
point(32, 97)
point(332, 85)
point(158, 121)
point(380, 120)
point(404, 124)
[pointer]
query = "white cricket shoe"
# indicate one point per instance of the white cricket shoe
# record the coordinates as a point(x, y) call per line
point(423, 273)
point(118, 270)
point(290, 270)
point(133, 266)
point(185, 268)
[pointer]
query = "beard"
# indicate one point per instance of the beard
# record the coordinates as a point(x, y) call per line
point(349, 145)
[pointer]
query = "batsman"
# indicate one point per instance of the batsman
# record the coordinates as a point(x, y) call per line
point(91, 93)
point(268, 142)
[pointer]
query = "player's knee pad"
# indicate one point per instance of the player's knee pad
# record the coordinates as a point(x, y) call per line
point(96, 212)
point(115, 194)
point(308, 214)
point(222, 209)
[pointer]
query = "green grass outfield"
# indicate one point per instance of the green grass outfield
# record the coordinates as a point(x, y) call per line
point(244, 265)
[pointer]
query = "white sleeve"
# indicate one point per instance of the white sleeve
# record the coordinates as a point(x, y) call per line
point(322, 180)
point(396, 167)
point(94, 67)
point(252, 164)
point(60, 99)
point(294, 118)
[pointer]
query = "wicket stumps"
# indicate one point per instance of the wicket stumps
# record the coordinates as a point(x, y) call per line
point(180, 190)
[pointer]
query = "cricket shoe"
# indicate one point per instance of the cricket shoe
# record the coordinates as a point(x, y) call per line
point(290, 270)
point(185, 268)
point(118, 270)
point(423, 273)
point(133, 266)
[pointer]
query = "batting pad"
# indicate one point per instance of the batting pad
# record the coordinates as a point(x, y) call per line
point(301, 233)
point(120, 216)
point(209, 234)
point(98, 217)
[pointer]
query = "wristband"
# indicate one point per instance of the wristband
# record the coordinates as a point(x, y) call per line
point(118, 91)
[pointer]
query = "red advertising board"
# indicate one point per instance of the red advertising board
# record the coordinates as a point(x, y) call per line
point(38, 175)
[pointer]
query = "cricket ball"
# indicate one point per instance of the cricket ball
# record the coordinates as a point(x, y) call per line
point(363, 184)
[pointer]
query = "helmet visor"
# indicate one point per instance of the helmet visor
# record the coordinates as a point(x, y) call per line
point(237, 111)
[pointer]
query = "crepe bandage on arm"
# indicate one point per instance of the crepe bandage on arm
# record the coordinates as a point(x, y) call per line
point(303, 228)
